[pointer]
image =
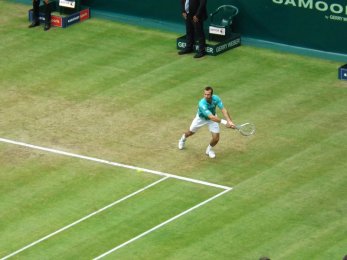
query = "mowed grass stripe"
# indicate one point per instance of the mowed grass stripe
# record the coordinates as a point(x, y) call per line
point(136, 116)
point(122, 222)
point(83, 55)
point(290, 123)
point(84, 218)
point(297, 213)
point(46, 193)
point(282, 198)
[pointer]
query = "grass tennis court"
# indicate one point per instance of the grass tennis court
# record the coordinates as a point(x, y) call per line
point(121, 93)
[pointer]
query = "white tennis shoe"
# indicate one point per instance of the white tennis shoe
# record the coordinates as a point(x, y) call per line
point(181, 143)
point(210, 153)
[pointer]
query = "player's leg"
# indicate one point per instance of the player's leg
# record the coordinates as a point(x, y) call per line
point(215, 139)
point(194, 127)
point(214, 129)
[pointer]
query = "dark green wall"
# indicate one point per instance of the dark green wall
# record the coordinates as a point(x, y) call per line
point(167, 10)
point(321, 25)
point(289, 22)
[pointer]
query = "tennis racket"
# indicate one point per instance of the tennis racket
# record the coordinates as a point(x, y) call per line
point(246, 129)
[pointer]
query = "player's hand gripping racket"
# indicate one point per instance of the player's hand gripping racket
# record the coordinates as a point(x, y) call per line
point(246, 129)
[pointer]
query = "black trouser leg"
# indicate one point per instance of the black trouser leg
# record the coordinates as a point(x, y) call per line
point(200, 35)
point(47, 14)
point(190, 37)
point(36, 10)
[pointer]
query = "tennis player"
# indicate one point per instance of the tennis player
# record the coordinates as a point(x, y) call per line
point(206, 115)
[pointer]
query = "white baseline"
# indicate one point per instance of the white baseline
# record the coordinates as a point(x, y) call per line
point(4, 140)
point(165, 176)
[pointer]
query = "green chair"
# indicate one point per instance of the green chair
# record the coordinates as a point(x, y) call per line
point(221, 22)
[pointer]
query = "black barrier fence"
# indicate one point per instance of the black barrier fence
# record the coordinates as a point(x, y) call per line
point(313, 24)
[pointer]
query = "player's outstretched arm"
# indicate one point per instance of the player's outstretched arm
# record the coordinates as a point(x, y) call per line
point(228, 117)
point(222, 121)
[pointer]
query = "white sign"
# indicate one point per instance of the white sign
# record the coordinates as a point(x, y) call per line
point(67, 3)
point(216, 30)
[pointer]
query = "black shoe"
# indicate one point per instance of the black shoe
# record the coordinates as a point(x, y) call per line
point(199, 55)
point(185, 51)
point(47, 27)
point(34, 24)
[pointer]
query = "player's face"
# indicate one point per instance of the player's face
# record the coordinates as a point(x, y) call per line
point(208, 95)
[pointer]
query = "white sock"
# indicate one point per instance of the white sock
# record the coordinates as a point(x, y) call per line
point(209, 147)
point(183, 138)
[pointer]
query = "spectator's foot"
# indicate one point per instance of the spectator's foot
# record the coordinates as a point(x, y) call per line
point(199, 55)
point(185, 51)
point(47, 27)
point(34, 24)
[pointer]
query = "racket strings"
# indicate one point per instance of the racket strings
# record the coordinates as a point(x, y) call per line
point(246, 129)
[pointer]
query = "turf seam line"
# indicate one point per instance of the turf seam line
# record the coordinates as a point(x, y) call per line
point(84, 218)
point(162, 224)
point(114, 164)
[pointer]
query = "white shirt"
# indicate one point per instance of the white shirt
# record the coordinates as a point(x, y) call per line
point(186, 6)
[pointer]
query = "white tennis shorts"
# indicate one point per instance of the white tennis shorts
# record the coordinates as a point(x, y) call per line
point(199, 122)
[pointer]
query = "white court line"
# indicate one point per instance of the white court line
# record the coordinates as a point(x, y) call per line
point(160, 225)
point(165, 175)
point(84, 218)
point(114, 164)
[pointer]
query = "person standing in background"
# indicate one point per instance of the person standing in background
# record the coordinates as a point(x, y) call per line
point(36, 11)
point(194, 13)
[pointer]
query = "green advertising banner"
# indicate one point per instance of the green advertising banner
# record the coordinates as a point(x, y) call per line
point(313, 24)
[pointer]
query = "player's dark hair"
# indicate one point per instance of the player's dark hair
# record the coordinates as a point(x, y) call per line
point(208, 88)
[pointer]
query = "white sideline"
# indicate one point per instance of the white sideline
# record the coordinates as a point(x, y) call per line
point(160, 225)
point(114, 164)
point(164, 175)
point(84, 218)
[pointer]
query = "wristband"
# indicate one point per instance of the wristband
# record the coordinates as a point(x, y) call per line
point(223, 121)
